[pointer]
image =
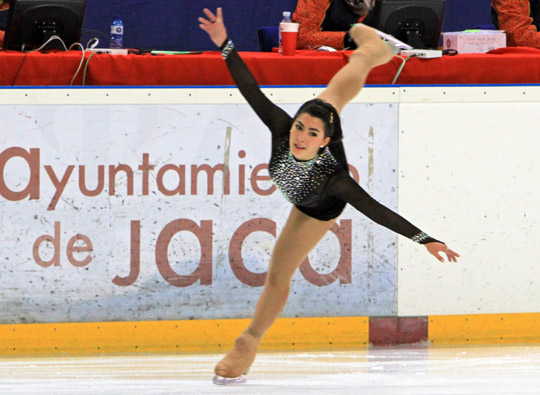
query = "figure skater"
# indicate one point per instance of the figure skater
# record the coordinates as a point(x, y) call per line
point(308, 165)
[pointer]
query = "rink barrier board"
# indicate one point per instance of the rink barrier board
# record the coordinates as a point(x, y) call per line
point(179, 336)
point(195, 336)
point(287, 334)
point(485, 328)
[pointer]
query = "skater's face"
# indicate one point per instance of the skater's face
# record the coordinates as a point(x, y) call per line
point(307, 137)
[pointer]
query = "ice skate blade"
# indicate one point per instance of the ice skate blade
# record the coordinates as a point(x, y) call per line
point(219, 380)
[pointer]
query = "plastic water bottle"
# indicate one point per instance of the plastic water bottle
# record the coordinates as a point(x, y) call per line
point(286, 19)
point(117, 33)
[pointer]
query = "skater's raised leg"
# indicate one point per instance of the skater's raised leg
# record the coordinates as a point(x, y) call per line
point(371, 51)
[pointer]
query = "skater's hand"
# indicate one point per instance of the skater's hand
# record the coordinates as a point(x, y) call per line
point(214, 26)
point(435, 248)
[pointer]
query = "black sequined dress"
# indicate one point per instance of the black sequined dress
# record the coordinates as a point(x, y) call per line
point(322, 186)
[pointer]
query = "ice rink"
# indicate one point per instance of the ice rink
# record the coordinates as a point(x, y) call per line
point(408, 370)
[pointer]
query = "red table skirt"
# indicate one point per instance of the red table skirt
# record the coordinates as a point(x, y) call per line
point(503, 66)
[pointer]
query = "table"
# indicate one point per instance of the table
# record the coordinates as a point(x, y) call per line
point(502, 66)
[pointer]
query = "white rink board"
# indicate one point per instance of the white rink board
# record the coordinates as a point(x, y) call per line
point(43, 278)
point(470, 174)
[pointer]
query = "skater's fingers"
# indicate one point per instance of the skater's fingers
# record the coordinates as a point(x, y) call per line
point(209, 14)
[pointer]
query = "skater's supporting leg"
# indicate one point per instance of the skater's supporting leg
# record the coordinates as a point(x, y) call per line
point(300, 234)
point(240, 358)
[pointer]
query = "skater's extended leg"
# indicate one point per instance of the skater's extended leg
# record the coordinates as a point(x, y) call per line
point(350, 79)
point(299, 236)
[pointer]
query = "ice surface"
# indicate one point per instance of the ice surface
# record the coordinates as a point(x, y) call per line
point(412, 370)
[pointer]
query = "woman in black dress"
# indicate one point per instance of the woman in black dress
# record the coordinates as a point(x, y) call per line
point(309, 166)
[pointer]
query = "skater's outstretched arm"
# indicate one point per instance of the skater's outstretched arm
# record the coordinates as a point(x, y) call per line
point(344, 187)
point(277, 120)
point(350, 79)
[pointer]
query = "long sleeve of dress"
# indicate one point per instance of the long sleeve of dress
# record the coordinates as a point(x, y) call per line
point(514, 18)
point(275, 118)
point(344, 187)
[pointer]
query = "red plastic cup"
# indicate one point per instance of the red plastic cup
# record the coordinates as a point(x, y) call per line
point(289, 34)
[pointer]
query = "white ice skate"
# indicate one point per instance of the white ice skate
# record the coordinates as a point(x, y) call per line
point(220, 380)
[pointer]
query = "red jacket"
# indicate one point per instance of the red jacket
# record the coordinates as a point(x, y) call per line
point(4, 9)
point(514, 18)
point(310, 15)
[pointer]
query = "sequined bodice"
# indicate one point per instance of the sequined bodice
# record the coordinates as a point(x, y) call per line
point(319, 188)
point(301, 182)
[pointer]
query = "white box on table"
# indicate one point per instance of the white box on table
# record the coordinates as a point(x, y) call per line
point(474, 41)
